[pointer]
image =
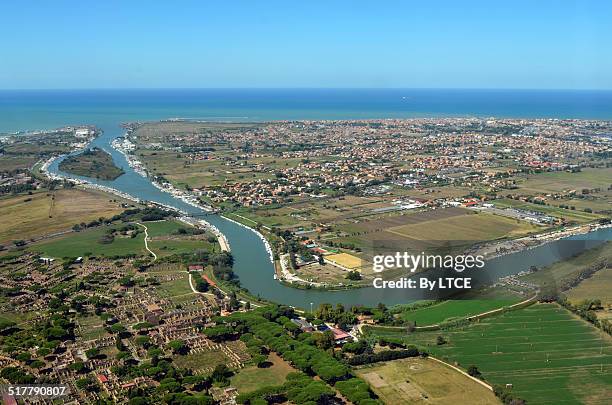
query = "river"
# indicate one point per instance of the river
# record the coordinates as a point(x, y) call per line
point(252, 262)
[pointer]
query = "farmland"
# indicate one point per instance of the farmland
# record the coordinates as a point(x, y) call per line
point(451, 310)
point(423, 381)
point(451, 227)
point(44, 213)
point(546, 353)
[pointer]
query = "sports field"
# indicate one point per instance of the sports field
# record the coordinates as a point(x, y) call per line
point(546, 353)
point(423, 381)
point(345, 260)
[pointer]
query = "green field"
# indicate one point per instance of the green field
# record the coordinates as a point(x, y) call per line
point(88, 243)
point(451, 310)
point(252, 378)
point(169, 289)
point(546, 353)
point(163, 228)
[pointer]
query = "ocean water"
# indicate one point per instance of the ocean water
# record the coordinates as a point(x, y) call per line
point(45, 109)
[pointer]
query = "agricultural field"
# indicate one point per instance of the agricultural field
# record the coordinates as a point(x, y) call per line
point(423, 381)
point(49, 212)
point(446, 311)
point(557, 182)
point(252, 378)
point(467, 227)
point(548, 355)
point(441, 228)
point(598, 286)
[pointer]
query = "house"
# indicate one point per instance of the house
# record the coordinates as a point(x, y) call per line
point(304, 325)
point(340, 336)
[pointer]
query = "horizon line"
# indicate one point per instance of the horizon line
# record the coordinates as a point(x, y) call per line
point(305, 88)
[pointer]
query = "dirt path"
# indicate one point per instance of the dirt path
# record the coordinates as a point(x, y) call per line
point(146, 240)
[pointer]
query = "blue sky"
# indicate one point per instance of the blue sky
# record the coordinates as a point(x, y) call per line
point(433, 44)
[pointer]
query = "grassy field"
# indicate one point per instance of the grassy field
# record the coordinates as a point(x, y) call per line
point(423, 381)
point(87, 243)
point(468, 227)
point(562, 181)
point(451, 310)
point(164, 241)
point(450, 228)
point(206, 359)
point(598, 286)
point(549, 355)
point(44, 213)
point(252, 378)
point(91, 327)
point(180, 286)
point(164, 228)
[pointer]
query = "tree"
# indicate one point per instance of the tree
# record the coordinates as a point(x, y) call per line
point(323, 340)
point(178, 347)
point(92, 353)
point(221, 373)
point(353, 275)
point(473, 371)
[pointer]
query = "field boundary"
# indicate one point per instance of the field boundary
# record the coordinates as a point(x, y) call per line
point(484, 384)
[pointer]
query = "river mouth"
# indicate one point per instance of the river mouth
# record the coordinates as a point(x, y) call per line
point(255, 270)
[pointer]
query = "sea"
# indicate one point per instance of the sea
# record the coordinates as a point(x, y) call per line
point(28, 110)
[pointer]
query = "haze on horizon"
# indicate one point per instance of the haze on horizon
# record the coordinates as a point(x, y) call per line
point(244, 44)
